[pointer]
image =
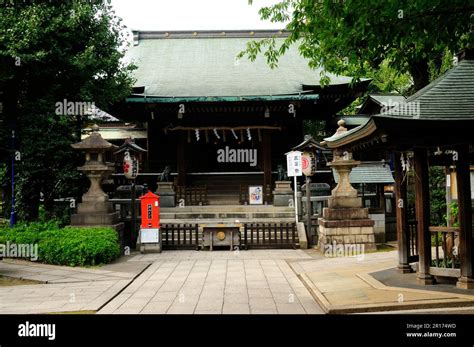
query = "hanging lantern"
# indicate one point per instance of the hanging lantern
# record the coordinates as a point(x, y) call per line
point(130, 166)
point(130, 152)
point(308, 163)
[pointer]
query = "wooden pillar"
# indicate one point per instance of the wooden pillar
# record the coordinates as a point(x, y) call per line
point(147, 163)
point(181, 160)
point(381, 196)
point(401, 214)
point(267, 160)
point(466, 280)
point(422, 207)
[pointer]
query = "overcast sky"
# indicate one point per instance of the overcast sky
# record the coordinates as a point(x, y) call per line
point(192, 14)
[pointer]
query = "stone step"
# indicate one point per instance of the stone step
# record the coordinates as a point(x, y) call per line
point(226, 220)
point(225, 215)
point(228, 208)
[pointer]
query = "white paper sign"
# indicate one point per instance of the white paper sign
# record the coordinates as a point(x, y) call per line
point(294, 165)
point(256, 195)
point(151, 235)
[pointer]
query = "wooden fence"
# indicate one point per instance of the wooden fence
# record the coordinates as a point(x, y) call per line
point(269, 235)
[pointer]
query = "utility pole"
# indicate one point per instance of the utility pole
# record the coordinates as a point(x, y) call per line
point(13, 212)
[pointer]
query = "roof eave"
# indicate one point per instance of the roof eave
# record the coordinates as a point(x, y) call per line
point(351, 136)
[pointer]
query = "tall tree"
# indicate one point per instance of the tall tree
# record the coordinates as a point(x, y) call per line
point(354, 37)
point(51, 52)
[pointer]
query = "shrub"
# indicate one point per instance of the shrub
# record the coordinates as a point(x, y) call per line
point(67, 246)
point(79, 246)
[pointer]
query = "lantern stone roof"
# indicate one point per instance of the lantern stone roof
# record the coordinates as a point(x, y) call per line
point(94, 141)
point(178, 64)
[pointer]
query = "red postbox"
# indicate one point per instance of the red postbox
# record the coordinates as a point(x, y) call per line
point(150, 235)
point(150, 204)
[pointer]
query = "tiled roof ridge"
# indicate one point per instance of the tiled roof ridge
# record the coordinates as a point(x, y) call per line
point(206, 34)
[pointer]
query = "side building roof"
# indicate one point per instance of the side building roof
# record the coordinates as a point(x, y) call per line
point(441, 108)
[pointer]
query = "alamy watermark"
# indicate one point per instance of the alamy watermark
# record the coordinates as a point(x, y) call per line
point(28, 329)
point(74, 108)
point(19, 250)
point(401, 108)
point(230, 155)
point(335, 249)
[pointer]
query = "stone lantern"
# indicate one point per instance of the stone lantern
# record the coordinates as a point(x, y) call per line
point(95, 208)
point(345, 222)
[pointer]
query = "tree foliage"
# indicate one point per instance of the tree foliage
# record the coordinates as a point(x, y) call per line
point(355, 38)
point(49, 52)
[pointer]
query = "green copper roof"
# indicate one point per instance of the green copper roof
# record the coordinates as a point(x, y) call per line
point(151, 99)
point(450, 97)
point(203, 64)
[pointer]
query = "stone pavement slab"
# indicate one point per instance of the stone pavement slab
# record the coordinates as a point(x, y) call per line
point(219, 282)
point(343, 285)
point(62, 288)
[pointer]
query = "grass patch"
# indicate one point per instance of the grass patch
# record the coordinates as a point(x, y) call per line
point(75, 312)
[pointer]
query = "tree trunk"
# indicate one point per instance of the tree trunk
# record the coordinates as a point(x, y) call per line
point(420, 73)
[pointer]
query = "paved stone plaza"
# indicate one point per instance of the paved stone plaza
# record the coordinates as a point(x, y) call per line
point(217, 282)
point(222, 282)
point(259, 281)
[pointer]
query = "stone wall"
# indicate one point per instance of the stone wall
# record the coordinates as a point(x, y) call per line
point(379, 226)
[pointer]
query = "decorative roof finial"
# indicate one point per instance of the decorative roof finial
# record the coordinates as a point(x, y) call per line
point(341, 129)
point(95, 128)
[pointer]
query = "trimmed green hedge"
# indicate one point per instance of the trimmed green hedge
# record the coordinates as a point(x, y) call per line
point(66, 246)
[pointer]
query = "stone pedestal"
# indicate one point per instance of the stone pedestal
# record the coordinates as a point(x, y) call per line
point(336, 229)
point(345, 222)
point(166, 193)
point(282, 193)
point(465, 283)
point(94, 213)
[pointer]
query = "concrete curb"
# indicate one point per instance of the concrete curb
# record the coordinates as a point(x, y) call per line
point(302, 235)
point(451, 300)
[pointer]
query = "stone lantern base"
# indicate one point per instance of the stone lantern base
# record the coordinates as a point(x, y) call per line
point(95, 213)
point(346, 227)
point(166, 193)
point(282, 193)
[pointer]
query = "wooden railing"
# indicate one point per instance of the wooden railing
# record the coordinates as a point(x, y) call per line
point(243, 194)
point(269, 235)
point(192, 195)
point(445, 258)
point(412, 241)
point(180, 236)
